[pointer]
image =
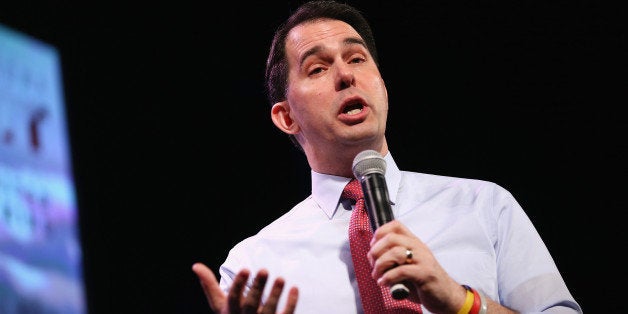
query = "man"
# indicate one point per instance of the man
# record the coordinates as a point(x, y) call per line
point(460, 245)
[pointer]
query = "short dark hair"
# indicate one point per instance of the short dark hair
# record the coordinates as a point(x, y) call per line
point(276, 75)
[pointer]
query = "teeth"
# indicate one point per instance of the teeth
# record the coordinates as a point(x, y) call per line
point(354, 111)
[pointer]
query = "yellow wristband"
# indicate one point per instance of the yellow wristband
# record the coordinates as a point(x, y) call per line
point(468, 303)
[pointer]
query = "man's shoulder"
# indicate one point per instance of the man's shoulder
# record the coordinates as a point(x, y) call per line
point(284, 222)
point(421, 180)
point(439, 178)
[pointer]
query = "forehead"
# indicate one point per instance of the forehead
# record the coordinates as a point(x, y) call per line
point(305, 36)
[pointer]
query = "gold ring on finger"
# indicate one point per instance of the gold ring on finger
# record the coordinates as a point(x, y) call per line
point(408, 256)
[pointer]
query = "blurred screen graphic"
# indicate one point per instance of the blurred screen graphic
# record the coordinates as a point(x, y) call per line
point(40, 251)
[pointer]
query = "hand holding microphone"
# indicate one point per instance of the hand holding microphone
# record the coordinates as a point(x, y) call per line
point(369, 168)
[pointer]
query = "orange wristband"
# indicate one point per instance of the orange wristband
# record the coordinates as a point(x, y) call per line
point(475, 308)
point(474, 304)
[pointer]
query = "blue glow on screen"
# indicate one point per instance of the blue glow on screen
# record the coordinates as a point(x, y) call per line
point(40, 251)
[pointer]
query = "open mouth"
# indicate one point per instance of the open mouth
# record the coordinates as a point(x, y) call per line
point(353, 108)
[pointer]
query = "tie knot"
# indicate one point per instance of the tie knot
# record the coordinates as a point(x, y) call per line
point(353, 190)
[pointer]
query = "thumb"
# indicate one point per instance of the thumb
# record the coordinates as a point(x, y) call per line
point(214, 294)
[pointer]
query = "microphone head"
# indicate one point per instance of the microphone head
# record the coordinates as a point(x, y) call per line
point(368, 161)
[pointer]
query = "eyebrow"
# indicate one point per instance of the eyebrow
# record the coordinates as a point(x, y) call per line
point(347, 42)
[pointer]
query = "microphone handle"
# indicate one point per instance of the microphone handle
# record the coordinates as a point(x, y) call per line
point(380, 212)
point(376, 199)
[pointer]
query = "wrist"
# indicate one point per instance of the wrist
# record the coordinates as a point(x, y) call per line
point(474, 303)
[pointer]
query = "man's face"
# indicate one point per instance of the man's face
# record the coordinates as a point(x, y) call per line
point(336, 96)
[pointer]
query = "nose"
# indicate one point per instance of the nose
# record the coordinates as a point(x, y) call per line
point(345, 77)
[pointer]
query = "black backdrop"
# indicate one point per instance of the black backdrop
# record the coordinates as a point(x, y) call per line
point(167, 116)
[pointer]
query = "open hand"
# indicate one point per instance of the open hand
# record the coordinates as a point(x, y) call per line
point(236, 301)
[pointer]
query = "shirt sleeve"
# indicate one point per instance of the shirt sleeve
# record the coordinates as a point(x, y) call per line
point(528, 278)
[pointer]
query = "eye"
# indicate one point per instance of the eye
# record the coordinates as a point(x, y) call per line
point(315, 70)
point(357, 60)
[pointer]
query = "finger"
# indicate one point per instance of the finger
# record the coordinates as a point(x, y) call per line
point(385, 244)
point(270, 306)
point(393, 226)
point(254, 296)
point(237, 289)
point(215, 297)
point(291, 304)
point(391, 258)
point(400, 274)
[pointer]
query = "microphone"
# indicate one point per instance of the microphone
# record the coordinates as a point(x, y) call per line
point(369, 168)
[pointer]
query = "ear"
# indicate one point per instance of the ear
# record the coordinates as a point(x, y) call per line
point(280, 114)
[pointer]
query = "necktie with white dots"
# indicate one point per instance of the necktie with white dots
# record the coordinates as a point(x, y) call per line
point(376, 299)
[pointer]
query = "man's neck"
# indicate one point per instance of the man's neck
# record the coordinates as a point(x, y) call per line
point(339, 162)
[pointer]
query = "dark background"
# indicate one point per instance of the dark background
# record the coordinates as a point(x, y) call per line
point(167, 116)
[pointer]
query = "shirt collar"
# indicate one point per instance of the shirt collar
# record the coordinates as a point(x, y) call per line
point(326, 189)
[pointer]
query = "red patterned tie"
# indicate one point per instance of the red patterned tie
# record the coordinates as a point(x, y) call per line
point(376, 299)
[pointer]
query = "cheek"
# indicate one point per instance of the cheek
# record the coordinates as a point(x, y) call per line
point(298, 92)
point(378, 87)
point(306, 99)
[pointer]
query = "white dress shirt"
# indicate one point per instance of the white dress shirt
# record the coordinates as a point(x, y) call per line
point(476, 230)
